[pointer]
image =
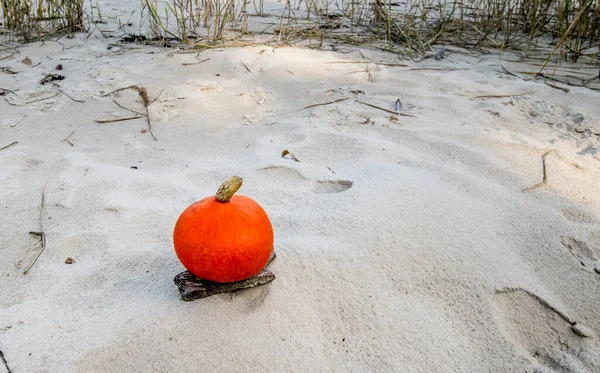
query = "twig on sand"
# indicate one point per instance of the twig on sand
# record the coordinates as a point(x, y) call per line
point(128, 109)
point(66, 94)
point(544, 174)
point(503, 96)
point(355, 72)
point(511, 73)
point(7, 70)
point(9, 145)
point(41, 99)
point(41, 233)
point(4, 362)
point(144, 95)
point(386, 110)
point(156, 98)
point(118, 90)
point(549, 84)
point(326, 103)
point(4, 90)
point(359, 114)
point(116, 120)
point(373, 62)
point(68, 137)
point(287, 152)
point(553, 85)
point(391, 64)
point(246, 67)
point(437, 69)
point(195, 63)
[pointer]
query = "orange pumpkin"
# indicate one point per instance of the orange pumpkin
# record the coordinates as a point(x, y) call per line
point(224, 238)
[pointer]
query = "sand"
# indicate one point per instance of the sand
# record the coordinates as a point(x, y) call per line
point(405, 243)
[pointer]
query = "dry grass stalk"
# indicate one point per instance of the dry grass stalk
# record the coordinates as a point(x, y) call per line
point(68, 137)
point(504, 96)
point(115, 120)
point(544, 174)
point(383, 109)
point(326, 103)
point(41, 233)
point(9, 145)
point(143, 93)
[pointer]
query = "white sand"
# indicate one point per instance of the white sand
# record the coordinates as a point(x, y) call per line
point(397, 273)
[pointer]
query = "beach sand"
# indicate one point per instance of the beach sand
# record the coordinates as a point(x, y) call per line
point(404, 243)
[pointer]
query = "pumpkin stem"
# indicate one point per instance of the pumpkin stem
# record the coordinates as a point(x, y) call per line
point(228, 188)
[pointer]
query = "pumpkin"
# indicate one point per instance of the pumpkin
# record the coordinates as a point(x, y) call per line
point(224, 238)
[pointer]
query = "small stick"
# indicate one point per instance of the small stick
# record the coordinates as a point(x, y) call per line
point(544, 174)
point(552, 85)
point(437, 68)
point(386, 110)
point(117, 90)
point(156, 98)
point(511, 73)
point(326, 103)
point(7, 70)
point(5, 362)
point(66, 94)
point(144, 95)
point(41, 99)
point(9, 145)
point(246, 67)
point(126, 108)
point(373, 62)
point(351, 62)
point(287, 152)
point(116, 120)
point(6, 90)
point(195, 63)
point(391, 64)
point(71, 134)
point(41, 233)
point(359, 114)
point(355, 72)
point(503, 96)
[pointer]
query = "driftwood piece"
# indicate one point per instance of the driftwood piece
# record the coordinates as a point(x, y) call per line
point(192, 288)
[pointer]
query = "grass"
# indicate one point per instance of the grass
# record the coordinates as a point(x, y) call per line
point(194, 20)
point(37, 19)
point(572, 26)
point(557, 29)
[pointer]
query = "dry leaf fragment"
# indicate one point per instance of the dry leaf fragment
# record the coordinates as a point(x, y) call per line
point(368, 121)
point(394, 119)
point(286, 152)
point(26, 61)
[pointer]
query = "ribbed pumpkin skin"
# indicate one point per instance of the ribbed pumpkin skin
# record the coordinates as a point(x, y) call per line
point(224, 242)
